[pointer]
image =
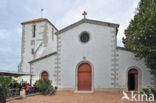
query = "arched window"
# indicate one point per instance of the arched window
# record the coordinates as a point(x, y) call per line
point(44, 75)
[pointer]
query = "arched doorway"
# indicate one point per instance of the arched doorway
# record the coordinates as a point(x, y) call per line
point(84, 77)
point(44, 75)
point(132, 80)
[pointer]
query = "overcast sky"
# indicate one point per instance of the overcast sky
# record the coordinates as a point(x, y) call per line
point(61, 13)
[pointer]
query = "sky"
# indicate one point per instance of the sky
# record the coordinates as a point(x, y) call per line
point(61, 13)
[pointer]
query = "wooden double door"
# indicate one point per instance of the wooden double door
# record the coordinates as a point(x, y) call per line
point(84, 77)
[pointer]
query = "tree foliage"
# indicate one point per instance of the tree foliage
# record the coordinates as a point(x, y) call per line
point(4, 85)
point(44, 84)
point(140, 35)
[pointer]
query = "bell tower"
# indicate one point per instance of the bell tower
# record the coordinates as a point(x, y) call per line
point(38, 39)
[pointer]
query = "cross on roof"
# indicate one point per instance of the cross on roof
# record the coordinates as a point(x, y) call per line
point(84, 14)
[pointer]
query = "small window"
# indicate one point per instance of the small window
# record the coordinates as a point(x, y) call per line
point(34, 30)
point(32, 51)
point(52, 33)
point(84, 37)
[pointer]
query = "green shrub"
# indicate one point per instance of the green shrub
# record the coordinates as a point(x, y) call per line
point(4, 85)
point(44, 85)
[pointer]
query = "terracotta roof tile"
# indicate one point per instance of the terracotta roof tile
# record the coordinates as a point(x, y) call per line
point(38, 20)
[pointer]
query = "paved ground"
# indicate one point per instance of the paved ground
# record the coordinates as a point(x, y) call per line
point(70, 97)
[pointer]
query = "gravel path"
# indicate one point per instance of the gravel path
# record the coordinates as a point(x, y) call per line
point(71, 97)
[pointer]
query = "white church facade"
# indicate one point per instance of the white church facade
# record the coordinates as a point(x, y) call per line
point(81, 56)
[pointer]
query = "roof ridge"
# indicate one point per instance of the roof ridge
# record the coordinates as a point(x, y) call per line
point(87, 21)
point(38, 20)
point(34, 20)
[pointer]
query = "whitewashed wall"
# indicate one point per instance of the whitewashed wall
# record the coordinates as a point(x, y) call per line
point(42, 44)
point(109, 64)
point(127, 61)
point(46, 64)
point(98, 51)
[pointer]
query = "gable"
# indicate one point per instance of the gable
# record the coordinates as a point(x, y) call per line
point(87, 21)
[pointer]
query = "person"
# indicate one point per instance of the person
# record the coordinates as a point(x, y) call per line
point(11, 86)
point(20, 86)
point(27, 88)
point(34, 88)
point(30, 89)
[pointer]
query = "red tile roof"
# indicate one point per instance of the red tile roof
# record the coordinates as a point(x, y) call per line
point(38, 20)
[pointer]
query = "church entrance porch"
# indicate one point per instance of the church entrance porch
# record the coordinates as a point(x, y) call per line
point(133, 80)
point(84, 77)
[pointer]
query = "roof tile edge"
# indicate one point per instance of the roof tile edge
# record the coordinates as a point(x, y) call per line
point(38, 20)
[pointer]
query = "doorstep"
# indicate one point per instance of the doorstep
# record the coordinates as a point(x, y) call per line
point(83, 91)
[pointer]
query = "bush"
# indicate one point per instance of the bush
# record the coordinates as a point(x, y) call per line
point(44, 85)
point(4, 88)
point(4, 85)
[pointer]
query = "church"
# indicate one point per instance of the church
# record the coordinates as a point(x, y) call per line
point(83, 56)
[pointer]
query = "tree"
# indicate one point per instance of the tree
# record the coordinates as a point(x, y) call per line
point(140, 35)
point(44, 85)
point(4, 87)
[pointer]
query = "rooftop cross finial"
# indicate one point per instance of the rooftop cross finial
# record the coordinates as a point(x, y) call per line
point(42, 13)
point(84, 14)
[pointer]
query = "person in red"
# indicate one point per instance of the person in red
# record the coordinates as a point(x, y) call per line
point(27, 88)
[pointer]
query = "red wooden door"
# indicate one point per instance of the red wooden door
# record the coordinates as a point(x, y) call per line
point(84, 77)
point(44, 75)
